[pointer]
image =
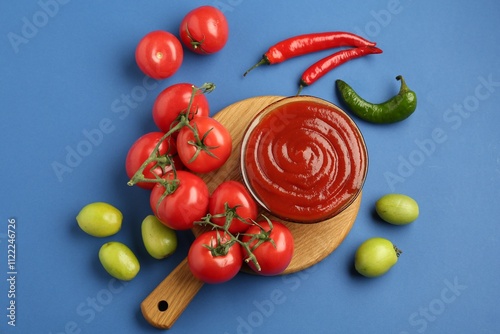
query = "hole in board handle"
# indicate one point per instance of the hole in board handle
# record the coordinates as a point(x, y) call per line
point(162, 305)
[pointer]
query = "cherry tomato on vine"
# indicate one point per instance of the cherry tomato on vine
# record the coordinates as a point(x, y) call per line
point(173, 101)
point(140, 151)
point(211, 151)
point(241, 204)
point(159, 54)
point(272, 258)
point(185, 205)
point(217, 263)
point(204, 30)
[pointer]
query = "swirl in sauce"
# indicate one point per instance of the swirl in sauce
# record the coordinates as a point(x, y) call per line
point(304, 161)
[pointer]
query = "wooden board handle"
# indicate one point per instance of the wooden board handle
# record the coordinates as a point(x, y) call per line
point(170, 298)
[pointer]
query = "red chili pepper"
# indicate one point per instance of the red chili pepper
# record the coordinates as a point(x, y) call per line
point(308, 43)
point(323, 66)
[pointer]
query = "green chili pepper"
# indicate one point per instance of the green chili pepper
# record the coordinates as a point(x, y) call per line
point(393, 110)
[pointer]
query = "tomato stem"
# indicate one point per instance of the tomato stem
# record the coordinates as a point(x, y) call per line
point(207, 87)
point(398, 251)
point(230, 214)
point(261, 237)
point(220, 248)
point(200, 145)
point(251, 256)
point(154, 157)
point(196, 44)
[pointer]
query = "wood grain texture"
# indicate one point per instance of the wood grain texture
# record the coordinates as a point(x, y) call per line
point(313, 242)
point(170, 298)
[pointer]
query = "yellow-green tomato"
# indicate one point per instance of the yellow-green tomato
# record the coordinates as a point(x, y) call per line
point(119, 261)
point(375, 257)
point(160, 240)
point(397, 209)
point(100, 219)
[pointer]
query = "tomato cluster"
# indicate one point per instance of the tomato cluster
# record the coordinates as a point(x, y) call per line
point(237, 239)
point(168, 162)
point(165, 161)
point(204, 30)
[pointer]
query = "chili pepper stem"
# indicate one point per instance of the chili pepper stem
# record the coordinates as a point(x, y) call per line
point(404, 87)
point(263, 61)
point(302, 84)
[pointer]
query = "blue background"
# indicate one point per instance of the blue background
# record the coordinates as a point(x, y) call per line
point(71, 71)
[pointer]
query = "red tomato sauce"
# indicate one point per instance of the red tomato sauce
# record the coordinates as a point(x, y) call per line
point(304, 161)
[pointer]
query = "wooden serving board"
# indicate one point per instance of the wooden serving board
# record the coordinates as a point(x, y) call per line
point(313, 242)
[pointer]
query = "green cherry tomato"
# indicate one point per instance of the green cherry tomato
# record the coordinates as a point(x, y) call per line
point(160, 240)
point(397, 209)
point(119, 261)
point(375, 257)
point(100, 219)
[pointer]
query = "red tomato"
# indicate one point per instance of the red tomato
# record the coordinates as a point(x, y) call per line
point(204, 30)
point(234, 195)
point(216, 141)
point(140, 152)
point(272, 260)
point(186, 205)
point(159, 54)
point(173, 101)
point(210, 267)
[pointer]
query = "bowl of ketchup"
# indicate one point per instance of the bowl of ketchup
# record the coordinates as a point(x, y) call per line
point(303, 159)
